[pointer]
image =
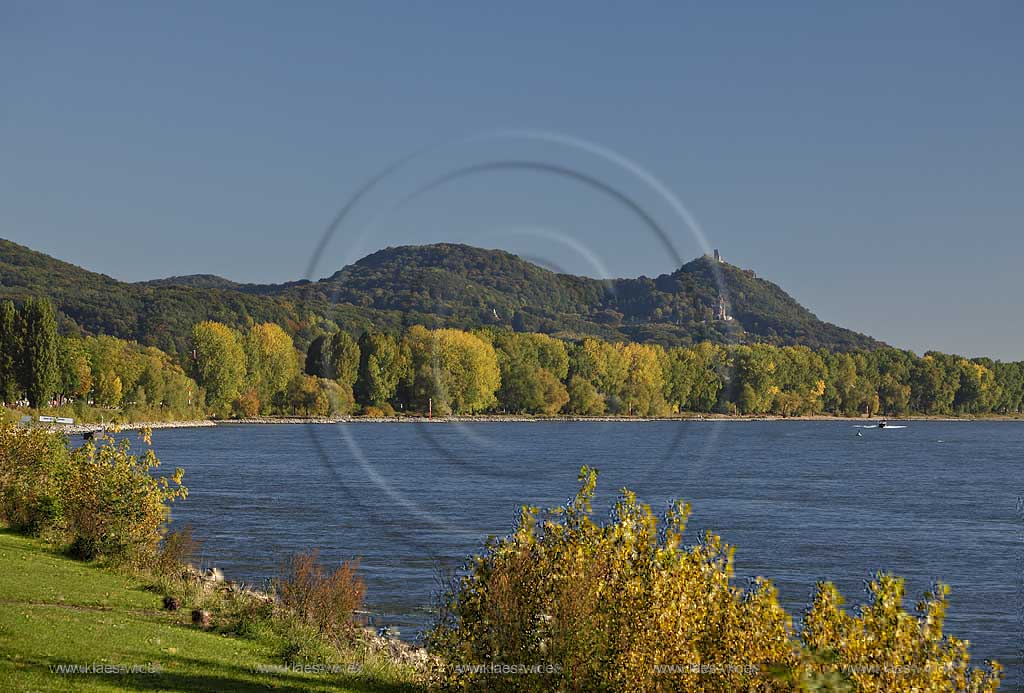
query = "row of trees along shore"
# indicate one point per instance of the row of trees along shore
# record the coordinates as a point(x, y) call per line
point(498, 370)
point(41, 369)
point(260, 372)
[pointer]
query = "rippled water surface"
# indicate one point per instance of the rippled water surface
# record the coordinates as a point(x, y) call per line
point(802, 501)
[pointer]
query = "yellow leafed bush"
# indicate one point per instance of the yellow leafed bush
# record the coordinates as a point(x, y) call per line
point(565, 603)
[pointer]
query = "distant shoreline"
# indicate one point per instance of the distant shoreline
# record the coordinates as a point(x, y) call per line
point(515, 418)
point(501, 418)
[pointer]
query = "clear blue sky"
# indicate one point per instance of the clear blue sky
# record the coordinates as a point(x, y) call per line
point(866, 157)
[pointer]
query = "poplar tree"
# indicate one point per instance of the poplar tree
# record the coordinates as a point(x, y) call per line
point(343, 359)
point(38, 362)
point(10, 351)
point(315, 356)
point(381, 367)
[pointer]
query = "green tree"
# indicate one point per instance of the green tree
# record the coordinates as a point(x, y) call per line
point(584, 399)
point(754, 369)
point(1010, 394)
point(552, 355)
point(532, 368)
point(894, 367)
point(106, 362)
point(10, 353)
point(710, 366)
point(841, 393)
point(977, 390)
point(151, 385)
point(934, 380)
point(315, 358)
point(800, 378)
point(382, 365)
point(893, 395)
point(38, 367)
point(339, 397)
point(680, 372)
point(108, 389)
point(74, 373)
point(219, 364)
point(343, 359)
point(748, 400)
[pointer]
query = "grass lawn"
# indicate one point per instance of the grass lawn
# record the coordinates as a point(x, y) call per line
point(55, 611)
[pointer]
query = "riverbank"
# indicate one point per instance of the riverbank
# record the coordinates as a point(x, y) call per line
point(69, 625)
point(497, 418)
point(90, 428)
point(516, 418)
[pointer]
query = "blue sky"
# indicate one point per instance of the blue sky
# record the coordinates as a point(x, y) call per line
point(867, 157)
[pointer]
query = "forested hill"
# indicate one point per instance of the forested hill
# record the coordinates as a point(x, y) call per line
point(433, 285)
point(198, 281)
point(160, 313)
point(471, 286)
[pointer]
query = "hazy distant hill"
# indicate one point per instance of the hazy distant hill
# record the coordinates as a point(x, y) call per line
point(443, 284)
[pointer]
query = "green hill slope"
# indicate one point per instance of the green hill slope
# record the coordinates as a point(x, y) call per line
point(434, 285)
point(467, 286)
point(160, 314)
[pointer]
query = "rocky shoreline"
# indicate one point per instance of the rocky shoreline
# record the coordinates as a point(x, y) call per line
point(383, 640)
point(95, 427)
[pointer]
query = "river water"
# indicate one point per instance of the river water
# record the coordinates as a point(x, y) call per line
point(802, 501)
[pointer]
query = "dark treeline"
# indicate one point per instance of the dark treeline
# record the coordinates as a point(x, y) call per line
point(259, 371)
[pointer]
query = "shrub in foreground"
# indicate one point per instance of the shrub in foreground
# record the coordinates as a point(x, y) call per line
point(177, 549)
point(322, 598)
point(100, 499)
point(578, 605)
point(34, 467)
point(885, 648)
point(116, 507)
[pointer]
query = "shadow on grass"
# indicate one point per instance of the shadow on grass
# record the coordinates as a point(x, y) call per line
point(202, 675)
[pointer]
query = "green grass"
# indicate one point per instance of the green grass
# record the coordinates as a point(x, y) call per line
point(57, 611)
